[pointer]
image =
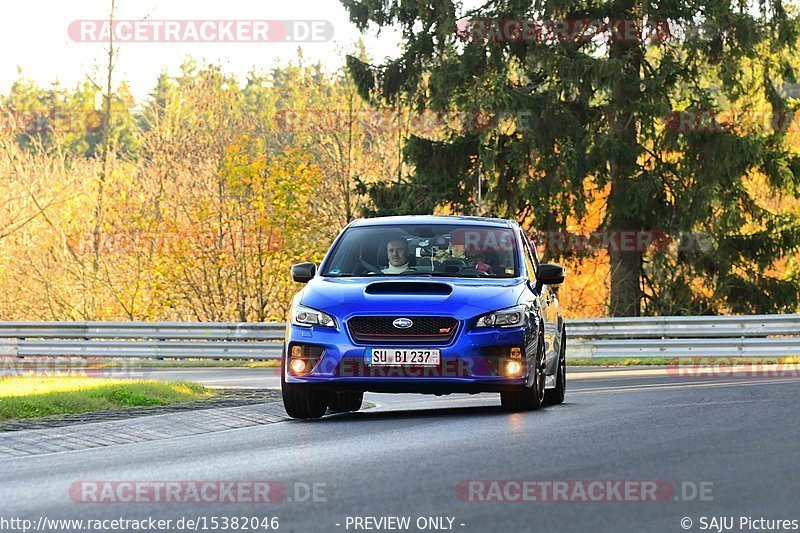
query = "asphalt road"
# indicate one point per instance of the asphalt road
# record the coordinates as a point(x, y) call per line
point(736, 439)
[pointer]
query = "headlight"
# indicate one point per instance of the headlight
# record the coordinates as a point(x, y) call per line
point(506, 318)
point(306, 316)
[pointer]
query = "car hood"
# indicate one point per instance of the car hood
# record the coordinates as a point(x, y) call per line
point(462, 298)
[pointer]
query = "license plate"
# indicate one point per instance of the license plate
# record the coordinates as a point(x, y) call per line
point(402, 357)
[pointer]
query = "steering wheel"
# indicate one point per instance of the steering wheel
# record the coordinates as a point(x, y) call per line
point(480, 273)
point(372, 269)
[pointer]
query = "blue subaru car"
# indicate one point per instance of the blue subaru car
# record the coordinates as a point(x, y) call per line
point(425, 304)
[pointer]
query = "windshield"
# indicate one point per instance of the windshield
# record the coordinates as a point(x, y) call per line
point(425, 250)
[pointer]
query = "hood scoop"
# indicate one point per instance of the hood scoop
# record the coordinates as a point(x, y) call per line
point(408, 287)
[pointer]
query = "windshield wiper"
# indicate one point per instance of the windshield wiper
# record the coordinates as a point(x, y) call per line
point(435, 274)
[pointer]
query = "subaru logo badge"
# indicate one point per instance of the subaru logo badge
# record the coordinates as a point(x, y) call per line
point(402, 323)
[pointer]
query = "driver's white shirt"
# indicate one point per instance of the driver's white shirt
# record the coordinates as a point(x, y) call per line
point(395, 270)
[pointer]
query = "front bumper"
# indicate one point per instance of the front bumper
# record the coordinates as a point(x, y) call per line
point(471, 362)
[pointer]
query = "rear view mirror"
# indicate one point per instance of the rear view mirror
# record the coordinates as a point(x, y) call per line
point(550, 274)
point(303, 272)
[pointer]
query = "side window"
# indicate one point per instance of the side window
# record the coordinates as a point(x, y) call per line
point(535, 253)
point(531, 263)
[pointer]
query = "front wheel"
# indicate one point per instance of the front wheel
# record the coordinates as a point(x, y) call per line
point(528, 398)
point(345, 401)
point(302, 400)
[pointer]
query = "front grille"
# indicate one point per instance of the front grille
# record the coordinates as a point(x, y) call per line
point(429, 329)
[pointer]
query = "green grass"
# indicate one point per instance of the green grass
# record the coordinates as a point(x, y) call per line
point(191, 363)
point(683, 361)
point(195, 363)
point(32, 396)
point(615, 361)
point(147, 363)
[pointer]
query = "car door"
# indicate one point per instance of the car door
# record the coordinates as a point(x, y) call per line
point(549, 309)
point(531, 300)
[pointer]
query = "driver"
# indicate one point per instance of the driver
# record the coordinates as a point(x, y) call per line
point(397, 250)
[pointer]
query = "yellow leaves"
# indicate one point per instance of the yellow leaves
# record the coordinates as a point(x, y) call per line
point(204, 226)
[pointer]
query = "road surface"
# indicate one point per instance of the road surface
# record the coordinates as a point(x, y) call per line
point(722, 446)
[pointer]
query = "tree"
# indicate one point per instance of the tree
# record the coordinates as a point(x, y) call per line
point(322, 114)
point(576, 114)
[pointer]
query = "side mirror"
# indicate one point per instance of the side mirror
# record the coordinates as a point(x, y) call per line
point(303, 272)
point(550, 274)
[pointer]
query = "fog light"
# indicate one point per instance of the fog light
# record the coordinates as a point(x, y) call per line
point(516, 353)
point(513, 368)
point(297, 366)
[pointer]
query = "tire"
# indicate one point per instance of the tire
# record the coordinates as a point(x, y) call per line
point(556, 396)
point(528, 398)
point(345, 401)
point(301, 400)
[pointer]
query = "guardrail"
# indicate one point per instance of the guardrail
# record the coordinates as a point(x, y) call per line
point(692, 336)
point(212, 340)
point(711, 336)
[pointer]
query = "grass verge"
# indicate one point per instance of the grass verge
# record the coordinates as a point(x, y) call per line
point(90, 364)
point(679, 361)
point(36, 396)
point(191, 363)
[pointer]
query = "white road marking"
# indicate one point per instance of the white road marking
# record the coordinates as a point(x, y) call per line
point(648, 388)
point(686, 371)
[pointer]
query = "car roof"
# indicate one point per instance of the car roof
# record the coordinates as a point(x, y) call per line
point(433, 219)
